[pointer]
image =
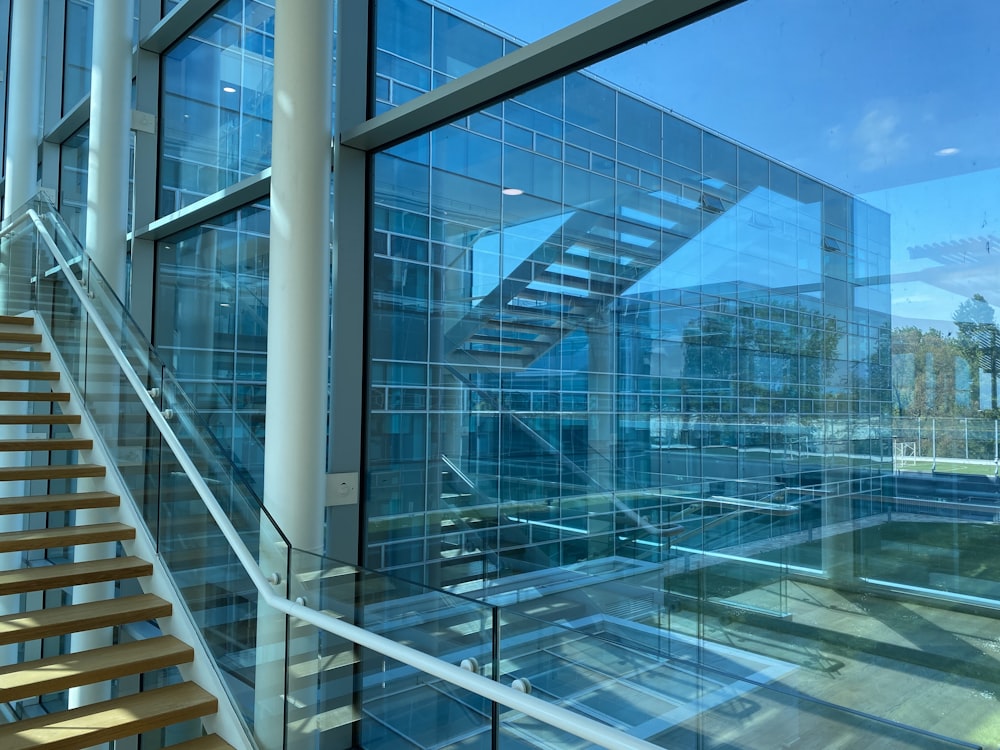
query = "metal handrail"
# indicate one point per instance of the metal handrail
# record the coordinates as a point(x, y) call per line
point(568, 721)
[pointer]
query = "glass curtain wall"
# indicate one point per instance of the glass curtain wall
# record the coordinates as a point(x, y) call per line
point(78, 52)
point(216, 103)
point(696, 346)
point(711, 351)
point(211, 323)
point(590, 315)
point(73, 180)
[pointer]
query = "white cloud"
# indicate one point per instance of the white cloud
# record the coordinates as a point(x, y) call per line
point(879, 138)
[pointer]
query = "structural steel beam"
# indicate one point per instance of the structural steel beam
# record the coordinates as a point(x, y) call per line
point(619, 27)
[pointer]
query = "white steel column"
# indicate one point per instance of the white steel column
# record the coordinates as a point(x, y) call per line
point(107, 163)
point(24, 124)
point(24, 103)
point(21, 183)
point(298, 320)
point(107, 218)
point(298, 301)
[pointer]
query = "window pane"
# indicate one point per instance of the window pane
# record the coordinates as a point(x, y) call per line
point(211, 324)
point(216, 105)
point(728, 330)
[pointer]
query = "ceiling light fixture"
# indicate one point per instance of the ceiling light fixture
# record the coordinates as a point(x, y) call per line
point(950, 151)
point(229, 89)
point(512, 191)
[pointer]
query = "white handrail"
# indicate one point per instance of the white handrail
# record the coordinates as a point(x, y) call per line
point(556, 716)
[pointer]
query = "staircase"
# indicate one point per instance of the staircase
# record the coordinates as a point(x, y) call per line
point(559, 273)
point(29, 686)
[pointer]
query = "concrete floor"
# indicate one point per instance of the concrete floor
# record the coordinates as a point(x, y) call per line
point(926, 666)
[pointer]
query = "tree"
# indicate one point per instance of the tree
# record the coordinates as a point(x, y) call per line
point(924, 373)
point(979, 341)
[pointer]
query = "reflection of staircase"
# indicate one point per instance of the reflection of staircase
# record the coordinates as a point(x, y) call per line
point(558, 273)
point(32, 684)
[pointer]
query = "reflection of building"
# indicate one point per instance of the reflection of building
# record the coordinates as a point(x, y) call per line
point(576, 300)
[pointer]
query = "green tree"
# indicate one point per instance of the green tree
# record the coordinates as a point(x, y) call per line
point(924, 373)
point(979, 342)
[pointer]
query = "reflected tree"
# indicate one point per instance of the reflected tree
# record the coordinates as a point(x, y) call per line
point(979, 342)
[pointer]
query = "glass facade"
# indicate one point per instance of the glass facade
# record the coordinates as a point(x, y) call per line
point(587, 312)
point(685, 359)
point(73, 181)
point(79, 50)
point(217, 103)
point(211, 324)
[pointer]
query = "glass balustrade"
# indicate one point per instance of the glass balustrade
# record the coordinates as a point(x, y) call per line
point(206, 571)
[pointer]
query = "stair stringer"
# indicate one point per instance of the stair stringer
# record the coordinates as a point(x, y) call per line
point(227, 722)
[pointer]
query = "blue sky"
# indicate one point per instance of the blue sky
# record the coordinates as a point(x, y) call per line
point(898, 102)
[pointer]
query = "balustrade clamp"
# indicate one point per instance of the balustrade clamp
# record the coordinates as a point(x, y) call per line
point(522, 685)
point(153, 392)
point(470, 664)
point(302, 601)
point(168, 414)
point(274, 579)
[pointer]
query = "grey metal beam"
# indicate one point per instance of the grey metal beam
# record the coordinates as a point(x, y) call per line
point(72, 121)
point(246, 191)
point(144, 185)
point(175, 24)
point(349, 296)
point(614, 29)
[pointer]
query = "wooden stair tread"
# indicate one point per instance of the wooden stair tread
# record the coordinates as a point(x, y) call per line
point(16, 320)
point(39, 419)
point(110, 720)
point(72, 574)
point(33, 396)
point(20, 337)
point(59, 471)
point(44, 623)
point(60, 502)
point(208, 742)
point(49, 444)
point(64, 536)
point(24, 356)
point(57, 673)
point(29, 375)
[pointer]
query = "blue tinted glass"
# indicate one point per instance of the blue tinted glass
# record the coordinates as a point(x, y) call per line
point(78, 52)
point(211, 323)
point(74, 155)
point(590, 104)
point(460, 46)
point(403, 27)
point(217, 103)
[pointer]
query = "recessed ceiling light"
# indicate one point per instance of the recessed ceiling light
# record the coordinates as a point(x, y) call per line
point(512, 191)
point(950, 151)
point(229, 89)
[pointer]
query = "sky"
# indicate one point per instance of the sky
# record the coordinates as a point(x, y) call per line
point(894, 101)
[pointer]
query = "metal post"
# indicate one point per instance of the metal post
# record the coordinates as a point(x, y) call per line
point(24, 103)
point(351, 197)
point(21, 165)
point(107, 217)
point(298, 305)
point(933, 445)
point(298, 312)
